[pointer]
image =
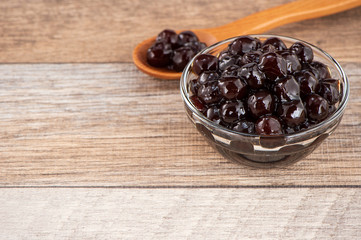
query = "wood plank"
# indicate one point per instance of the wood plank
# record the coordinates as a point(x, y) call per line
point(110, 125)
point(107, 31)
point(307, 213)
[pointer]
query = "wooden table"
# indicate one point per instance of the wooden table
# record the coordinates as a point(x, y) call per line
point(91, 148)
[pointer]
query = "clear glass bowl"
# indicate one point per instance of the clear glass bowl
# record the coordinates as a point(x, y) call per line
point(265, 151)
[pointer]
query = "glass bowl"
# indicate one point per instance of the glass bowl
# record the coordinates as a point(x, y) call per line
point(265, 151)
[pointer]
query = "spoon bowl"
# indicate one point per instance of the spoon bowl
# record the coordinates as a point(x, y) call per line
point(253, 24)
point(140, 55)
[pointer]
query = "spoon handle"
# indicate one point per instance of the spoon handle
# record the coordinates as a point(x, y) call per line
point(281, 15)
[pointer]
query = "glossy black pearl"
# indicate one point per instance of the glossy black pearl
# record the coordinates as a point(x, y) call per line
point(287, 89)
point(159, 55)
point(292, 113)
point(225, 59)
point(243, 45)
point(181, 57)
point(332, 81)
point(268, 48)
point(206, 77)
point(276, 42)
point(209, 93)
point(316, 106)
point(193, 86)
point(293, 64)
point(231, 71)
point(261, 103)
point(205, 62)
point(232, 88)
point(244, 126)
point(253, 76)
point(303, 52)
point(268, 125)
point(273, 65)
point(198, 103)
point(305, 125)
point(186, 37)
point(329, 90)
point(307, 81)
point(213, 115)
point(250, 57)
point(232, 111)
point(332, 109)
point(323, 71)
point(196, 46)
point(168, 36)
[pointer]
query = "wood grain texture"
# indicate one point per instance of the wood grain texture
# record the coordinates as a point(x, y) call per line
point(180, 213)
point(107, 31)
point(99, 125)
point(110, 125)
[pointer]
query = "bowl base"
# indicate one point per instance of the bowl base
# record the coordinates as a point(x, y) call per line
point(264, 161)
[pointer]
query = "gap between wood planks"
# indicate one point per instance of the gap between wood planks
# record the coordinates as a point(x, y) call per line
point(189, 187)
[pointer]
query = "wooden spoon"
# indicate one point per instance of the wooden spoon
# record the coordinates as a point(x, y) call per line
point(253, 24)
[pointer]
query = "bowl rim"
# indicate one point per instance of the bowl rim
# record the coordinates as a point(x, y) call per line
point(339, 111)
